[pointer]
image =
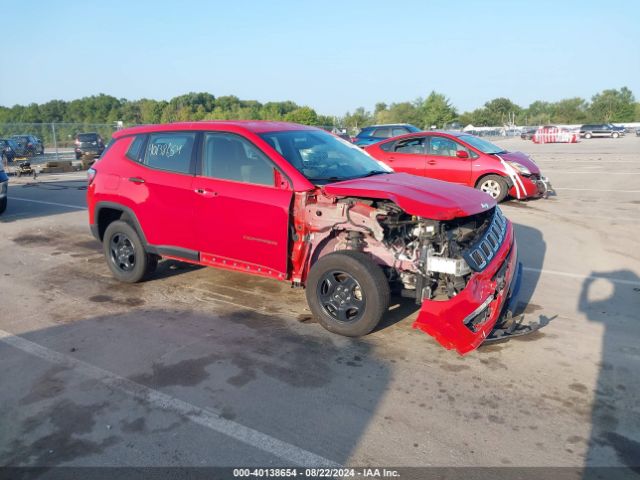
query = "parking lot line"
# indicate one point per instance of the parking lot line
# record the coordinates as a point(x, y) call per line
point(195, 414)
point(595, 190)
point(47, 203)
point(621, 281)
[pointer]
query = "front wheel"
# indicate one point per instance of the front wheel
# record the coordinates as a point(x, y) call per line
point(495, 186)
point(587, 135)
point(125, 254)
point(615, 134)
point(348, 293)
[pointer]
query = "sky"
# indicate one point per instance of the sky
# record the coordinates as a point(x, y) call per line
point(333, 56)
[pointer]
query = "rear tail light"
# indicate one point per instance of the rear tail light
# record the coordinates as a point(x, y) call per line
point(91, 175)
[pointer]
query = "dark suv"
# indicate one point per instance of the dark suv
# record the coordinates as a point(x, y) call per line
point(376, 133)
point(28, 145)
point(7, 150)
point(89, 145)
point(601, 130)
point(297, 204)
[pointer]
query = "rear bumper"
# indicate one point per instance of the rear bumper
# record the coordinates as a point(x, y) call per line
point(463, 322)
point(96, 152)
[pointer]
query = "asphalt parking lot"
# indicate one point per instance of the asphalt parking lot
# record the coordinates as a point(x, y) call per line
point(200, 367)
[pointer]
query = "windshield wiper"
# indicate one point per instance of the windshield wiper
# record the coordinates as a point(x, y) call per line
point(327, 179)
point(372, 173)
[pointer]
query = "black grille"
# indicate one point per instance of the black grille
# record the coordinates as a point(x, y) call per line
point(482, 251)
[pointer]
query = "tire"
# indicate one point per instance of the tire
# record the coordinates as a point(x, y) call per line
point(615, 134)
point(3, 205)
point(125, 253)
point(587, 135)
point(495, 186)
point(334, 284)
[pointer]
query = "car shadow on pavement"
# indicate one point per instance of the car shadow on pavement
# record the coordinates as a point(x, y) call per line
point(400, 309)
point(531, 252)
point(612, 299)
point(313, 390)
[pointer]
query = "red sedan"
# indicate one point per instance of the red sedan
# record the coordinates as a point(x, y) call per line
point(465, 159)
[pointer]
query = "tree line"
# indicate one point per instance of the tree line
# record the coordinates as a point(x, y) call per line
point(612, 105)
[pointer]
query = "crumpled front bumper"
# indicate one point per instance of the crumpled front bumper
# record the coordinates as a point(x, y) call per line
point(529, 187)
point(480, 305)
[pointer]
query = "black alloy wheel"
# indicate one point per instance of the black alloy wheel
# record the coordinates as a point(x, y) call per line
point(341, 296)
point(122, 252)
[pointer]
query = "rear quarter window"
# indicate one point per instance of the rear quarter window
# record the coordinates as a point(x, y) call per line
point(135, 149)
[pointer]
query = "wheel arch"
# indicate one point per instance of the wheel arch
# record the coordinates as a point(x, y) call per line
point(484, 175)
point(108, 212)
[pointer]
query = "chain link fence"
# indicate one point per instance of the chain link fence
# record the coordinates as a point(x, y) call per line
point(47, 141)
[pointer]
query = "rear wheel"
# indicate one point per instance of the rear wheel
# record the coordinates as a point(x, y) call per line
point(348, 293)
point(493, 185)
point(615, 134)
point(587, 135)
point(125, 254)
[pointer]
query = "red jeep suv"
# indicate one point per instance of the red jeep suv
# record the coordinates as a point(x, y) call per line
point(301, 205)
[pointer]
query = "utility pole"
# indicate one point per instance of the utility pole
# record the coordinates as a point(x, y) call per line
point(55, 140)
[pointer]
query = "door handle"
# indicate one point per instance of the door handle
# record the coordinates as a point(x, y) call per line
point(431, 162)
point(136, 179)
point(206, 192)
point(391, 159)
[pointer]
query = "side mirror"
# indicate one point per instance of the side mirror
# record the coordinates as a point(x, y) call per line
point(462, 154)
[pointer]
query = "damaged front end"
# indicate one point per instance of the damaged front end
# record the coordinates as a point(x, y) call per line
point(464, 272)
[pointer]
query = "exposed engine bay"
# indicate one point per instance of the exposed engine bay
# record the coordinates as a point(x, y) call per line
point(423, 259)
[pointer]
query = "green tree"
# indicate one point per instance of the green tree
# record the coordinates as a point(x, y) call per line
point(570, 110)
point(358, 119)
point(404, 112)
point(612, 106)
point(436, 110)
point(538, 113)
point(303, 115)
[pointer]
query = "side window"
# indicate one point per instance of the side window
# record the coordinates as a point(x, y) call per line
point(398, 131)
point(387, 146)
point(136, 148)
point(382, 132)
point(231, 157)
point(410, 145)
point(444, 147)
point(170, 151)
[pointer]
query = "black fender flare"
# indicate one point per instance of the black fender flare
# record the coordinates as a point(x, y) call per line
point(131, 217)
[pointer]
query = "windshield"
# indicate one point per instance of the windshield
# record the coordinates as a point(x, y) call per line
point(482, 145)
point(322, 157)
point(87, 137)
